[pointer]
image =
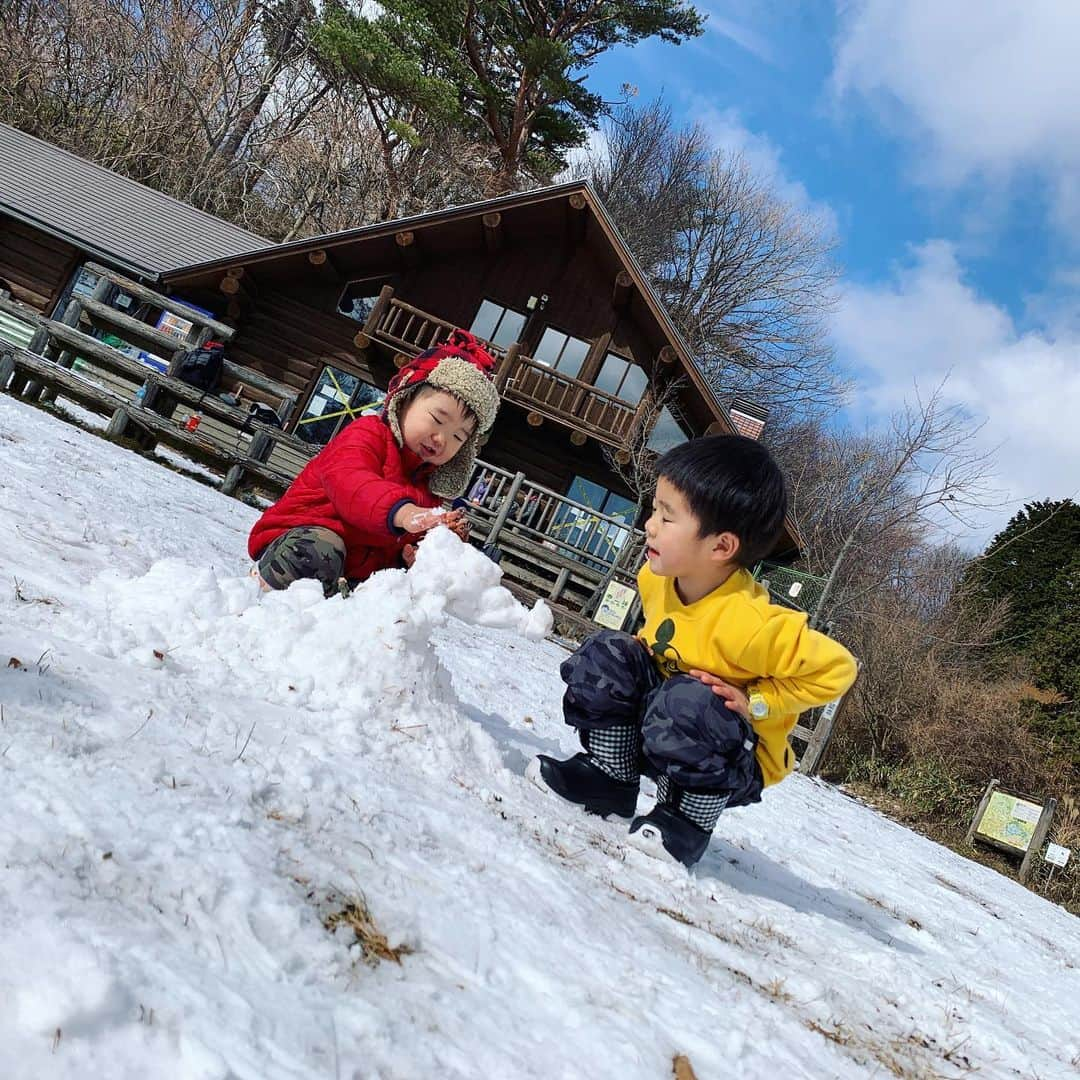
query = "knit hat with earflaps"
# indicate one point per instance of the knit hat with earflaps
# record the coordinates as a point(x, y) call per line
point(464, 368)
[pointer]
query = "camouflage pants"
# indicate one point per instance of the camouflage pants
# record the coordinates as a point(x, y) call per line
point(304, 552)
point(687, 732)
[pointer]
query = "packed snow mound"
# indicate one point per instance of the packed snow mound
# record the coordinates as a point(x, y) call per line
point(350, 659)
point(448, 571)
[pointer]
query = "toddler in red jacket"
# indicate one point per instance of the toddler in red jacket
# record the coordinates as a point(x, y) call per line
point(364, 500)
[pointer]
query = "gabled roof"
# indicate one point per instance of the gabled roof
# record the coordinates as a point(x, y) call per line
point(329, 241)
point(120, 221)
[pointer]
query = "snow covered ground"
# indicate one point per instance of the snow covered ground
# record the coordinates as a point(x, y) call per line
point(195, 778)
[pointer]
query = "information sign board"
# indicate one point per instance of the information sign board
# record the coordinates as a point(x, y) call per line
point(614, 605)
point(1009, 820)
point(1057, 855)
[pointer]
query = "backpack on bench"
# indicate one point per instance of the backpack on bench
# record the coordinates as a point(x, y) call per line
point(202, 367)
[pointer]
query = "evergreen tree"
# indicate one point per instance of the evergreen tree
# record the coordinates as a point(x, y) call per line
point(510, 71)
point(1028, 564)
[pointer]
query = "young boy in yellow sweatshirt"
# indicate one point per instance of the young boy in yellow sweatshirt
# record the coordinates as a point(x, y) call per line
point(705, 697)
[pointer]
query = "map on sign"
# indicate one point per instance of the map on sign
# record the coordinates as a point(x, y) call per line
point(1009, 820)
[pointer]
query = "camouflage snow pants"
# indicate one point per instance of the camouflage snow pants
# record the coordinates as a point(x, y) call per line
point(687, 732)
point(304, 552)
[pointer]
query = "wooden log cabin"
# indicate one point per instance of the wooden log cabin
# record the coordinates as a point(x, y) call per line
point(589, 363)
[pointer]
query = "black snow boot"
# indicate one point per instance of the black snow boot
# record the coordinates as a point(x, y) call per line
point(664, 829)
point(581, 780)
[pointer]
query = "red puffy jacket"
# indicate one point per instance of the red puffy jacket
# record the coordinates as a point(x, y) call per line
point(353, 486)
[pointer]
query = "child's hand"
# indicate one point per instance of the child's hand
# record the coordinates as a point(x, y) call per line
point(457, 523)
point(733, 697)
point(408, 555)
point(419, 519)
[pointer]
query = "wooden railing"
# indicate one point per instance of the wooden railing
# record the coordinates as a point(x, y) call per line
point(596, 544)
point(570, 400)
point(410, 330)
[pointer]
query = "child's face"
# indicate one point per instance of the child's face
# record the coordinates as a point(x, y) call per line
point(673, 544)
point(435, 425)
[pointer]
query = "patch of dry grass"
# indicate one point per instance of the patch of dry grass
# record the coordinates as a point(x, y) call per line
point(374, 945)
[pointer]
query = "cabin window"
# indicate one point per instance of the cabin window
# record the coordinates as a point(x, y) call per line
point(82, 284)
point(358, 297)
point(501, 326)
point(585, 530)
point(562, 352)
point(668, 431)
point(622, 378)
point(337, 399)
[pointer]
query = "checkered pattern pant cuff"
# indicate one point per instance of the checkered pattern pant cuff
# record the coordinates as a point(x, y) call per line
point(615, 750)
point(703, 810)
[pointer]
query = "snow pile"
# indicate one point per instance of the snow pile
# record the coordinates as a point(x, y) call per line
point(353, 660)
point(196, 778)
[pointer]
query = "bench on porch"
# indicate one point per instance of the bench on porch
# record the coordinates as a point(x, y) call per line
point(143, 403)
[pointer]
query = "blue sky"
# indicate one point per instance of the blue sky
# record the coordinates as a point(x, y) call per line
point(943, 140)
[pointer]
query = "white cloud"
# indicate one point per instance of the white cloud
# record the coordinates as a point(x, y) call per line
point(927, 325)
point(987, 87)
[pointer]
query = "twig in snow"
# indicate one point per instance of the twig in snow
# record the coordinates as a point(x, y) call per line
point(141, 726)
point(246, 741)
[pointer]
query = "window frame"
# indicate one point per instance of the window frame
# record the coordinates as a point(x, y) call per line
point(589, 345)
point(382, 279)
point(503, 308)
point(631, 365)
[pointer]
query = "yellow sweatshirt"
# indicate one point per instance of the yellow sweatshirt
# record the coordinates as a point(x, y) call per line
point(736, 633)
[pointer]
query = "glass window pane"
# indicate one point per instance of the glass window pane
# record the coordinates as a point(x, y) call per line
point(358, 298)
point(547, 352)
point(573, 356)
point(486, 321)
point(611, 374)
point(510, 327)
point(634, 385)
point(586, 492)
point(666, 433)
point(338, 397)
point(617, 507)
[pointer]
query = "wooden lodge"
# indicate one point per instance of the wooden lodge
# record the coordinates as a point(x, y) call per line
point(99, 275)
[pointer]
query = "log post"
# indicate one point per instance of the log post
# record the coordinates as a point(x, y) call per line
point(578, 438)
point(7, 368)
point(506, 368)
point(378, 310)
point(493, 236)
point(118, 423)
point(233, 478)
point(667, 355)
point(1038, 838)
point(317, 257)
point(623, 290)
point(509, 500)
point(984, 802)
point(534, 419)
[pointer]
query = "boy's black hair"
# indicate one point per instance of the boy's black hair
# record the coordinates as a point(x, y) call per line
point(733, 484)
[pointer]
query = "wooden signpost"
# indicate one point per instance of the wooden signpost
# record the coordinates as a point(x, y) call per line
point(1012, 823)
